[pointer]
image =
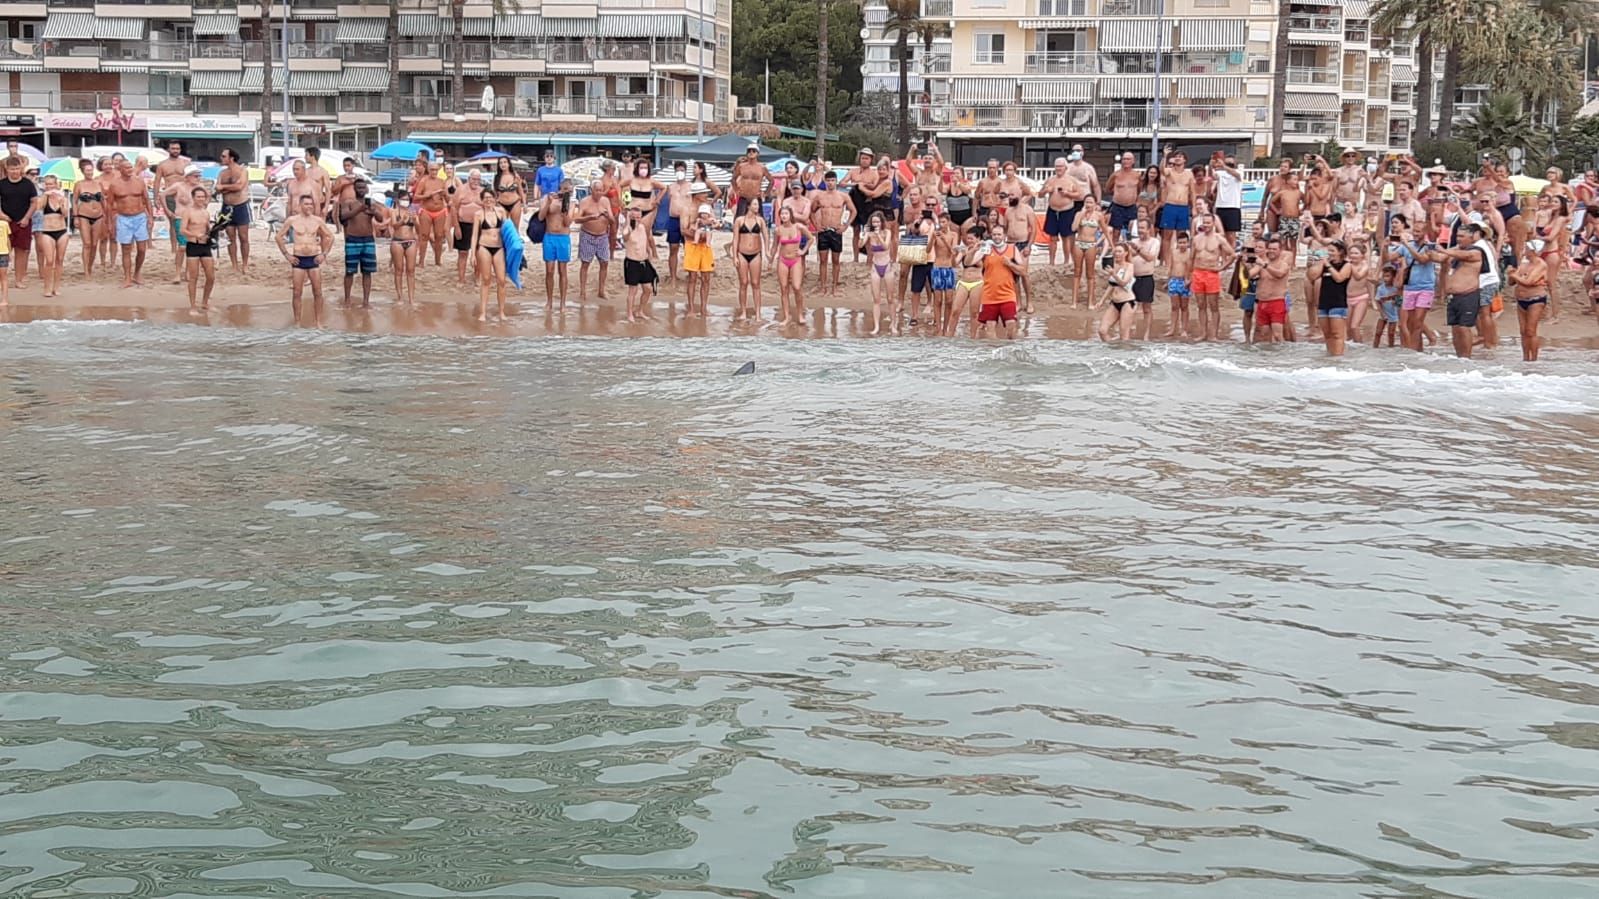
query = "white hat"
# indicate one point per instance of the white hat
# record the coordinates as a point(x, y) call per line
point(1536, 246)
point(705, 209)
point(866, 151)
point(191, 169)
point(754, 145)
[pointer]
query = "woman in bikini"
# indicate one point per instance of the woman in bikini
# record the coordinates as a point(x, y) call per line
point(510, 191)
point(645, 194)
point(433, 215)
point(1360, 287)
point(1087, 245)
point(402, 247)
point(487, 248)
point(107, 244)
point(1549, 225)
point(53, 236)
point(788, 248)
point(1316, 241)
point(880, 243)
point(468, 207)
point(1531, 280)
point(704, 177)
point(88, 211)
point(748, 245)
point(1149, 192)
point(969, 279)
point(1119, 294)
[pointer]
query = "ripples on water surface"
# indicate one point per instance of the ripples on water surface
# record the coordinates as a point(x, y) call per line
point(341, 616)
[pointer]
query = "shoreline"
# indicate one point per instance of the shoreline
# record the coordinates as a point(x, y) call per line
point(260, 300)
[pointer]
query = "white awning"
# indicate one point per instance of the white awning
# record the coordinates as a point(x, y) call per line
point(118, 29)
point(1315, 37)
point(1058, 90)
point(479, 26)
point(68, 26)
point(1310, 103)
point(518, 25)
point(366, 79)
point(314, 84)
point(1357, 9)
point(984, 91)
point(362, 31)
point(1061, 22)
point(419, 25)
point(1214, 34)
point(1134, 35)
point(215, 84)
point(1209, 87)
point(1404, 73)
point(638, 25)
point(252, 81)
point(1138, 87)
point(302, 11)
point(570, 27)
point(124, 65)
point(216, 24)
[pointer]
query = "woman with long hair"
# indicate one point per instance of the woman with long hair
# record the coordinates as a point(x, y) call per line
point(52, 238)
point(880, 243)
point(510, 191)
point(789, 239)
point(749, 244)
point(1363, 276)
point(489, 250)
point(1118, 294)
point(1087, 245)
point(969, 278)
point(402, 247)
point(1549, 226)
point(703, 176)
point(645, 194)
point(1149, 192)
point(89, 213)
point(1333, 302)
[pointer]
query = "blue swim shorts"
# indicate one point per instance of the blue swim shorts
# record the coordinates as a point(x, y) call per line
point(360, 253)
point(557, 248)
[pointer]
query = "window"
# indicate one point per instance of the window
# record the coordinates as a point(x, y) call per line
point(989, 4)
point(29, 31)
point(988, 47)
point(1213, 4)
point(168, 84)
point(632, 87)
point(1064, 7)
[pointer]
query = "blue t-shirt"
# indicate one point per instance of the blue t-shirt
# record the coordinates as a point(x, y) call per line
point(548, 178)
point(1423, 275)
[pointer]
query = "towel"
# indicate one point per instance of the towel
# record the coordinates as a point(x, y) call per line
point(513, 251)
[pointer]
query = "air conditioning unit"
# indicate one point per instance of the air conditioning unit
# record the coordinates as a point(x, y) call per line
point(743, 114)
point(763, 113)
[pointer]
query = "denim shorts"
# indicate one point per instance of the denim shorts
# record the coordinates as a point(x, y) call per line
point(1336, 312)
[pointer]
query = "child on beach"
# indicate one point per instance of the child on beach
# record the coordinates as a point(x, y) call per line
point(1389, 298)
point(1182, 264)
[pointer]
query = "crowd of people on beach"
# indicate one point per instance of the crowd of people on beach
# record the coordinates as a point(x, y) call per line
point(1381, 241)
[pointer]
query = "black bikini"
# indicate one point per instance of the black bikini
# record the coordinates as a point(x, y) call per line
point(746, 229)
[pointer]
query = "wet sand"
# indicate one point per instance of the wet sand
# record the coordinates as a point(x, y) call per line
point(261, 299)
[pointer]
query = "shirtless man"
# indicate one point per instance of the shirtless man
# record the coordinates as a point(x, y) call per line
point(679, 199)
point(1286, 204)
point(1144, 251)
point(1122, 185)
point(862, 179)
point(637, 272)
point(233, 183)
point(929, 173)
point(1065, 194)
point(988, 196)
point(1462, 284)
point(1213, 254)
point(1349, 185)
point(302, 184)
point(466, 208)
point(360, 218)
point(169, 172)
point(1270, 275)
point(125, 191)
point(310, 237)
point(177, 196)
point(1319, 184)
point(1406, 204)
point(1433, 196)
point(556, 213)
point(1020, 227)
point(1084, 171)
point(831, 209)
point(596, 230)
point(1176, 197)
point(194, 222)
point(433, 217)
point(1012, 185)
point(313, 162)
point(750, 178)
point(1286, 177)
point(343, 187)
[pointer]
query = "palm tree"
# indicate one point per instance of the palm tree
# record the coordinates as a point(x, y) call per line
point(1279, 76)
point(266, 76)
point(1500, 125)
point(1462, 28)
point(905, 19)
point(458, 47)
point(396, 124)
point(823, 9)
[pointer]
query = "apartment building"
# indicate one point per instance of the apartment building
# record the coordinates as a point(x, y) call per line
point(1024, 79)
point(577, 74)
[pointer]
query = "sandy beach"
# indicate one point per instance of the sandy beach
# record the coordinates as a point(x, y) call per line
point(260, 299)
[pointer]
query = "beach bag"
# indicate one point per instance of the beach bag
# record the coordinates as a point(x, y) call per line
point(535, 229)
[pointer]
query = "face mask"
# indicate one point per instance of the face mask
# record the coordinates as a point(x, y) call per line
point(1075, 156)
point(1371, 166)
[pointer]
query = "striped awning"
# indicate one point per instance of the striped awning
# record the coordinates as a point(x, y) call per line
point(124, 65)
point(362, 31)
point(214, 84)
point(637, 25)
point(420, 25)
point(1214, 34)
point(21, 65)
point(118, 29)
point(1058, 90)
point(1209, 87)
point(1060, 22)
point(1357, 9)
point(216, 24)
point(1139, 87)
point(570, 27)
point(366, 79)
point(481, 26)
point(985, 91)
point(518, 25)
point(1404, 73)
point(68, 26)
point(306, 11)
point(314, 84)
point(1310, 103)
point(252, 81)
point(1134, 35)
point(1315, 37)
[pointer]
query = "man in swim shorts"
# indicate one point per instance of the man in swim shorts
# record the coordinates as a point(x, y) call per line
point(556, 213)
point(596, 229)
point(637, 272)
point(168, 174)
point(1270, 274)
point(310, 237)
point(131, 202)
point(359, 217)
point(1212, 253)
point(1176, 197)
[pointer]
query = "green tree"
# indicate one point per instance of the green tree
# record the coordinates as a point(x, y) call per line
point(1500, 125)
point(1456, 26)
point(458, 47)
point(904, 22)
point(784, 34)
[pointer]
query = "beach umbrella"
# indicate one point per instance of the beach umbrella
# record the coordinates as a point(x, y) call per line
point(64, 169)
point(776, 166)
point(1526, 184)
point(32, 154)
point(403, 149)
point(489, 154)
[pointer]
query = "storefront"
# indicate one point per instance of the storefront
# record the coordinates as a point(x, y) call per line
point(205, 136)
point(68, 133)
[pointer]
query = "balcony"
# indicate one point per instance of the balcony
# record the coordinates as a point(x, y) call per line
point(1310, 127)
point(1351, 132)
point(936, 64)
point(444, 51)
point(364, 103)
point(429, 107)
point(301, 50)
point(1378, 89)
point(616, 107)
point(1063, 62)
point(1313, 76)
point(1131, 7)
point(145, 51)
point(1377, 134)
point(366, 53)
point(227, 105)
point(1354, 84)
point(96, 101)
point(221, 50)
point(1403, 95)
point(938, 9)
point(1106, 119)
point(19, 50)
point(313, 106)
point(1320, 26)
point(1356, 34)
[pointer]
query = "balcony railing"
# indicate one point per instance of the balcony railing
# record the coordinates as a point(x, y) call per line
point(936, 64)
point(614, 107)
point(1354, 84)
point(220, 50)
point(1310, 75)
point(300, 50)
point(364, 103)
point(1356, 35)
point(1316, 24)
point(1402, 96)
point(1377, 134)
point(17, 50)
point(1351, 132)
point(1310, 127)
point(934, 9)
point(145, 51)
point(1378, 89)
point(96, 101)
point(317, 106)
point(226, 105)
point(1062, 62)
point(1084, 118)
point(1131, 8)
point(472, 52)
point(366, 53)
point(432, 107)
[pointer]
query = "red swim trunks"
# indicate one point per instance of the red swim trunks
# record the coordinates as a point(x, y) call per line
point(1271, 312)
point(997, 312)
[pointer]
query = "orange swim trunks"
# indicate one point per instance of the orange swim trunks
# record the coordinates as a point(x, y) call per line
point(1205, 282)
